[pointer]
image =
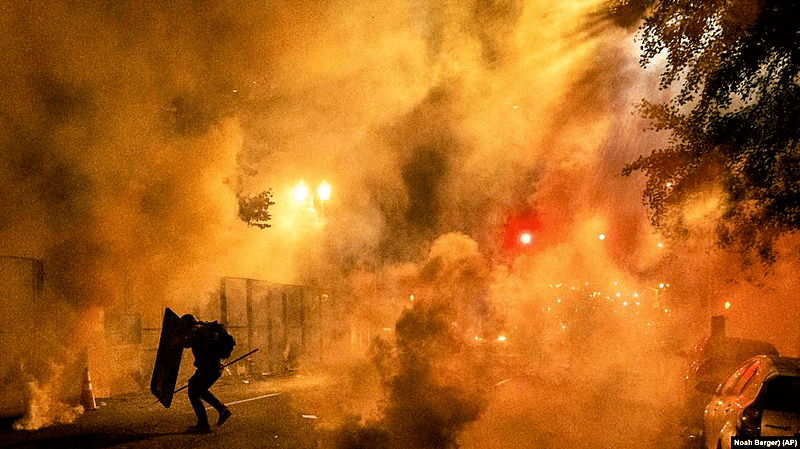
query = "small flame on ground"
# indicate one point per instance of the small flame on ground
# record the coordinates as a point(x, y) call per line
point(41, 409)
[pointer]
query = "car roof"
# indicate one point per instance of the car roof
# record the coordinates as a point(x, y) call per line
point(783, 366)
point(736, 348)
point(738, 342)
point(776, 366)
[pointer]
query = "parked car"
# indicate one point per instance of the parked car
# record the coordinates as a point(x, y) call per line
point(712, 360)
point(761, 398)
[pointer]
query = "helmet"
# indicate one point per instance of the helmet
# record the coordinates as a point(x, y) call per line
point(188, 319)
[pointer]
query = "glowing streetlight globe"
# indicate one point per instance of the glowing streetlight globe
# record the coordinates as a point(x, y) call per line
point(324, 191)
point(300, 192)
point(526, 238)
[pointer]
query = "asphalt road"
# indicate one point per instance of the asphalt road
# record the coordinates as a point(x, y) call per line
point(307, 410)
point(266, 414)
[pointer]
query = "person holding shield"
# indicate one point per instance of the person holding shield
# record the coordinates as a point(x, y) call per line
point(204, 339)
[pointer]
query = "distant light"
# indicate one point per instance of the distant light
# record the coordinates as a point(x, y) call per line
point(526, 238)
point(601, 236)
point(661, 285)
point(727, 305)
point(660, 245)
point(300, 192)
point(563, 326)
point(411, 297)
point(558, 300)
point(501, 338)
point(324, 191)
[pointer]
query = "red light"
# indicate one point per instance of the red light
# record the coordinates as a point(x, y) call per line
point(520, 230)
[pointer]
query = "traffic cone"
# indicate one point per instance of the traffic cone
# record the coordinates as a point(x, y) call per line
point(87, 393)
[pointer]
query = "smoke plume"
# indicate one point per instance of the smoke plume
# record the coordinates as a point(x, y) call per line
point(435, 371)
point(127, 131)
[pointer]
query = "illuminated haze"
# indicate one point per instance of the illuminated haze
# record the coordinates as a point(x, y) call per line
point(128, 131)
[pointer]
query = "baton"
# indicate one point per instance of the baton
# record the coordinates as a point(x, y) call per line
point(223, 367)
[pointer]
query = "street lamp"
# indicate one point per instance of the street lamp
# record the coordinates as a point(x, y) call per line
point(323, 194)
point(303, 196)
point(300, 192)
point(324, 191)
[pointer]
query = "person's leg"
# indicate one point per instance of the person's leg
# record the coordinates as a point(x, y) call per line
point(205, 378)
point(197, 389)
point(208, 396)
point(212, 400)
point(223, 411)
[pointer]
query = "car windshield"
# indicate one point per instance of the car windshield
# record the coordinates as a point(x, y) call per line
point(782, 394)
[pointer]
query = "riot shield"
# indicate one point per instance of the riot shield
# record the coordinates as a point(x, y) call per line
point(168, 359)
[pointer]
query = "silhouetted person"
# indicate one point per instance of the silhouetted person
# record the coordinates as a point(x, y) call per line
point(199, 337)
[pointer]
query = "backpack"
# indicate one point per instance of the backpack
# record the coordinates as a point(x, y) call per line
point(222, 342)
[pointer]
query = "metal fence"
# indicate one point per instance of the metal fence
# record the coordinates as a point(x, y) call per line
point(275, 318)
point(284, 322)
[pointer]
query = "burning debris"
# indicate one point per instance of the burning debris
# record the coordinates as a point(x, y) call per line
point(43, 403)
point(43, 409)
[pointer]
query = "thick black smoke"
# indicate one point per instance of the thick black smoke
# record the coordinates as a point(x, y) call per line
point(436, 372)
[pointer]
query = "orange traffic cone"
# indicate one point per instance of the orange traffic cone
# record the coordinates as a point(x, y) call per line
point(87, 393)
